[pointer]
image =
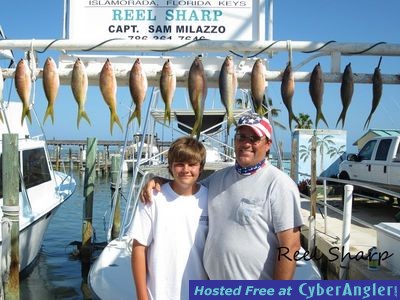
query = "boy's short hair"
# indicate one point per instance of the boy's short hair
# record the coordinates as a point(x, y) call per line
point(187, 149)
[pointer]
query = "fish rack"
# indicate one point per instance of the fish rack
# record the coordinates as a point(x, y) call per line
point(180, 53)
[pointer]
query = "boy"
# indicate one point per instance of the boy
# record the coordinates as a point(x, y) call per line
point(169, 234)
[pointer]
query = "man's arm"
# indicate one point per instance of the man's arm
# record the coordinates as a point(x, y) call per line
point(286, 265)
point(139, 271)
point(147, 190)
point(156, 182)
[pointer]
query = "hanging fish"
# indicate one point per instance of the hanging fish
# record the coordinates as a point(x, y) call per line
point(79, 86)
point(51, 84)
point(23, 85)
point(167, 88)
point(138, 88)
point(287, 92)
point(108, 88)
point(227, 88)
point(197, 88)
point(257, 86)
point(377, 88)
point(316, 89)
point(346, 92)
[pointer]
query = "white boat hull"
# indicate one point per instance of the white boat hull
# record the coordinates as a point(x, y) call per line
point(30, 241)
point(110, 276)
point(42, 191)
point(33, 227)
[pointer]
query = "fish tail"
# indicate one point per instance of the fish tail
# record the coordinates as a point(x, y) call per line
point(231, 120)
point(136, 114)
point(367, 121)
point(26, 113)
point(296, 119)
point(167, 114)
point(114, 119)
point(49, 112)
point(291, 118)
point(320, 116)
point(370, 116)
point(197, 126)
point(341, 117)
point(261, 110)
point(83, 114)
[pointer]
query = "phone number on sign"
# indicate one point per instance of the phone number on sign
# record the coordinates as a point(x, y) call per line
point(165, 37)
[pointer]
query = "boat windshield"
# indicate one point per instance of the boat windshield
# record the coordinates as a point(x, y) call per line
point(35, 167)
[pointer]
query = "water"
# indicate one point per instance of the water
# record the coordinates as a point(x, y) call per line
point(58, 274)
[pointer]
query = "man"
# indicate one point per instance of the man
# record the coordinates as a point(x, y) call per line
point(254, 211)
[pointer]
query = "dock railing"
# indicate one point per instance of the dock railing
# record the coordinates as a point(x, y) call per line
point(354, 183)
point(348, 196)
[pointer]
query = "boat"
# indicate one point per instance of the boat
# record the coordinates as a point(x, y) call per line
point(42, 190)
point(110, 275)
point(149, 154)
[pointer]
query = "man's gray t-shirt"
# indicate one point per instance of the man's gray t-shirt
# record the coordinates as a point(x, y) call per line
point(245, 213)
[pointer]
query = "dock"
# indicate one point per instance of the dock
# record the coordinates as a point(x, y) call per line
point(60, 157)
point(328, 238)
point(77, 158)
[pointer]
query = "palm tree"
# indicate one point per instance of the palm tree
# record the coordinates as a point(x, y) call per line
point(305, 152)
point(304, 121)
point(273, 113)
point(323, 142)
point(332, 151)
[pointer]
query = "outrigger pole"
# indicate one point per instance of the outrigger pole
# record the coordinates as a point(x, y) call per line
point(205, 45)
point(248, 51)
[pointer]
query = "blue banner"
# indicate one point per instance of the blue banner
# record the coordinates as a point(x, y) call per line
point(293, 289)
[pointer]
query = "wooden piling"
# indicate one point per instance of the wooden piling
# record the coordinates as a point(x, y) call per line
point(11, 212)
point(106, 153)
point(97, 162)
point(58, 154)
point(88, 193)
point(81, 158)
point(115, 167)
point(71, 162)
point(313, 193)
point(293, 160)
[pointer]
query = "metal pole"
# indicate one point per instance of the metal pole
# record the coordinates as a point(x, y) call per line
point(325, 208)
point(388, 49)
point(115, 166)
point(11, 213)
point(348, 202)
point(270, 14)
point(243, 77)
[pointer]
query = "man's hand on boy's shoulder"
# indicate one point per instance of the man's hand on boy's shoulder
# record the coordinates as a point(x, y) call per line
point(147, 189)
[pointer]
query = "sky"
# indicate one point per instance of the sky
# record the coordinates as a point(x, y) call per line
point(363, 21)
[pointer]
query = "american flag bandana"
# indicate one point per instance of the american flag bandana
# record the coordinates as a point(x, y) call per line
point(249, 170)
